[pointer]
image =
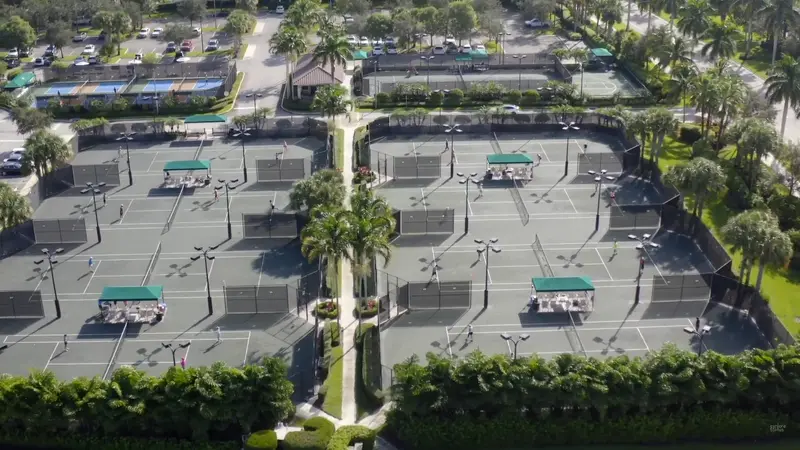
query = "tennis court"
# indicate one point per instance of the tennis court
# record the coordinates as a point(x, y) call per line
point(174, 85)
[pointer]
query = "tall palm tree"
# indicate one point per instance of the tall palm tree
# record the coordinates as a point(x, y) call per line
point(722, 43)
point(747, 11)
point(333, 50)
point(775, 252)
point(704, 94)
point(662, 123)
point(46, 151)
point(694, 18)
point(783, 85)
point(326, 238)
point(756, 138)
point(291, 43)
point(674, 50)
point(732, 93)
point(681, 78)
point(14, 208)
point(302, 15)
point(372, 224)
point(672, 7)
point(747, 232)
point(638, 126)
point(779, 15)
point(701, 177)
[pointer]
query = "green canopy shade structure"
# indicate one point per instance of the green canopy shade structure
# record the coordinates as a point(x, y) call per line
point(359, 55)
point(463, 57)
point(205, 118)
point(602, 53)
point(132, 293)
point(562, 284)
point(192, 164)
point(21, 80)
point(479, 54)
point(509, 158)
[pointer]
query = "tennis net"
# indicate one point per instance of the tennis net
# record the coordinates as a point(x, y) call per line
point(575, 338)
point(152, 265)
point(541, 257)
point(171, 217)
point(496, 144)
point(113, 359)
point(520, 204)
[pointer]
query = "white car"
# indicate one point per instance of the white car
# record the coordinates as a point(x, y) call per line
point(88, 49)
point(364, 41)
point(39, 62)
point(352, 40)
point(480, 47)
point(14, 158)
point(377, 42)
point(18, 151)
point(377, 50)
point(439, 50)
point(391, 49)
point(348, 18)
point(13, 53)
point(279, 10)
point(156, 32)
point(536, 23)
point(143, 33)
point(197, 31)
point(512, 109)
point(213, 44)
point(466, 48)
point(389, 41)
point(449, 40)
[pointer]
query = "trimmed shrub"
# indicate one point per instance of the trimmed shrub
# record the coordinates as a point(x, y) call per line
point(262, 440)
point(530, 97)
point(11, 74)
point(435, 98)
point(689, 134)
point(455, 98)
point(383, 98)
point(303, 440)
point(360, 333)
point(349, 435)
point(320, 425)
point(367, 308)
point(371, 364)
point(327, 310)
point(330, 339)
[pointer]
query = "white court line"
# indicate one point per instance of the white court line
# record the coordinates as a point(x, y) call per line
point(654, 264)
point(94, 271)
point(227, 209)
point(151, 210)
point(95, 341)
point(116, 335)
point(488, 272)
point(246, 349)
point(558, 328)
point(125, 212)
point(570, 201)
point(544, 152)
point(210, 269)
point(469, 208)
point(275, 198)
point(587, 351)
point(153, 161)
point(261, 271)
point(604, 264)
point(643, 339)
point(433, 261)
point(422, 199)
point(449, 347)
point(515, 326)
point(691, 325)
point(510, 352)
point(186, 355)
point(80, 364)
point(53, 353)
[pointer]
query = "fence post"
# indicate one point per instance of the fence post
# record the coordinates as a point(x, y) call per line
point(225, 295)
point(379, 169)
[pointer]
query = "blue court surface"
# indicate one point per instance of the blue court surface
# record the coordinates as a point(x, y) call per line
point(203, 85)
point(65, 88)
point(108, 87)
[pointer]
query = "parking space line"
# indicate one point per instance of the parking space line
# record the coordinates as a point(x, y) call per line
point(643, 339)
point(94, 271)
point(604, 264)
point(55, 347)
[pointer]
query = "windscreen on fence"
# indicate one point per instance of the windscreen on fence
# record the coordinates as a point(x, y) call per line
point(431, 221)
point(440, 295)
point(268, 170)
point(635, 217)
point(60, 231)
point(273, 225)
point(257, 299)
point(21, 304)
point(417, 167)
point(14, 240)
point(96, 174)
point(609, 161)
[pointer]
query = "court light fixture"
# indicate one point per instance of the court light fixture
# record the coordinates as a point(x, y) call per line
point(206, 258)
point(465, 180)
point(701, 334)
point(50, 257)
point(571, 126)
point(521, 338)
point(174, 349)
point(598, 179)
point(93, 188)
point(452, 130)
point(241, 134)
point(127, 137)
point(483, 249)
point(228, 186)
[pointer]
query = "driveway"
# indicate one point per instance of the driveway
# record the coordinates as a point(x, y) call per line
point(524, 40)
point(264, 72)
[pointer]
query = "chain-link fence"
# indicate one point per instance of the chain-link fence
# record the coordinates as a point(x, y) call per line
point(21, 305)
point(452, 62)
point(635, 217)
point(14, 240)
point(274, 225)
point(216, 68)
point(437, 294)
point(96, 174)
point(611, 162)
point(273, 299)
point(429, 221)
point(293, 169)
point(676, 219)
point(60, 231)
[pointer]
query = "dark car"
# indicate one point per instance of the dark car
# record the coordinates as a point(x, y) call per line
point(24, 52)
point(12, 62)
point(50, 50)
point(101, 36)
point(171, 47)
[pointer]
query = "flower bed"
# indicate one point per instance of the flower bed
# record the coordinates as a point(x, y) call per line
point(327, 310)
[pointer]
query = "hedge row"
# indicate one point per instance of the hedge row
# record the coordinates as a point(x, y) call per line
point(520, 432)
point(80, 442)
point(371, 364)
point(330, 339)
point(262, 440)
point(349, 435)
point(316, 434)
point(327, 310)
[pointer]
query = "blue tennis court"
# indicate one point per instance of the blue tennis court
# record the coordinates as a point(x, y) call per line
point(202, 85)
point(105, 87)
point(65, 88)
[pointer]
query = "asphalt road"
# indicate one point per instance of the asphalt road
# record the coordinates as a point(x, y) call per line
point(264, 72)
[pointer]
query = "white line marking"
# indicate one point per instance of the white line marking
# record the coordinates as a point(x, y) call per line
point(469, 207)
point(153, 161)
point(96, 341)
point(543, 151)
point(182, 333)
point(227, 209)
point(559, 328)
point(246, 349)
point(79, 364)
point(587, 351)
point(488, 273)
point(604, 264)
point(125, 212)
point(55, 347)
point(260, 272)
point(449, 347)
point(210, 269)
point(510, 352)
point(643, 339)
point(94, 271)
point(422, 199)
point(570, 201)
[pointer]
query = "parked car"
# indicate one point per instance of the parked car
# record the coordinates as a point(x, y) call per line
point(197, 31)
point(88, 49)
point(11, 168)
point(80, 37)
point(389, 41)
point(364, 41)
point(377, 42)
point(391, 49)
point(12, 62)
point(377, 50)
point(279, 10)
point(80, 61)
point(512, 109)
point(213, 44)
point(171, 47)
point(39, 62)
point(143, 33)
point(50, 50)
point(466, 48)
point(24, 52)
point(536, 23)
point(480, 47)
point(187, 46)
point(101, 36)
point(13, 53)
point(94, 59)
point(439, 50)
point(352, 40)
point(451, 48)
point(156, 33)
point(18, 151)
point(348, 18)
point(449, 40)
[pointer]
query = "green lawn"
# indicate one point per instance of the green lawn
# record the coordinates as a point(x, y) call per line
point(333, 397)
point(339, 158)
point(779, 287)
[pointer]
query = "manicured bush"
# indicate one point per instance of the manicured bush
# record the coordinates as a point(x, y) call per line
point(435, 98)
point(262, 440)
point(455, 98)
point(514, 97)
point(360, 331)
point(574, 36)
point(303, 440)
point(383, 98)
point(371, 364)
point(367, 308)
point(349, 435)
point(327, 310)
point(332, 328)
point(332, 403)
point(530, 98)
point(689, 134)
point(11, 74)
point(320, 425)
point(330, 339)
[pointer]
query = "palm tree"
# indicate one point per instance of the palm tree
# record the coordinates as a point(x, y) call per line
point(694, 18)
point(326, 239)
point(333, 50)
point(14, 208)
point(672, 7)
point(324, 188)
point(302, 15)
point(45, 151)
point(779, 15)
point(722, 43)
point(747, 232)
point(705, 96)
point(330, 101)
point(638, 126)
point(775, 252)
point(681, 79)
point(756, 138)
point(790, 153)
point(703, 178)
point(783, 85)
point(674, 50)
point(662, 123)
point(747, 11)
point(372, 224)
point(731, 92)
point(291, 43)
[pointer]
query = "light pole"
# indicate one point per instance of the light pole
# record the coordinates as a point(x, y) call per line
point(91, 187)
point(227, 186)
point(241, 134)
point(427, 60)
point(50, 257)
point(701, 333)
point(644, 241)
point(452, 130)
point(580, 67)
point(127, 137)
point(375, 67)
point(501, 50)
point(520, 58)
point(465, 181)
point(255, 98)
point(483, 249)
point(567, 127)
point(174, 349)
point(599, 180)
point(206, 258)
point(508, 338)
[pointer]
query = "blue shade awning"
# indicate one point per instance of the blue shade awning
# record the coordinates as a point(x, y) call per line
point(131, 293)
point(562, 284)
point(192, 164)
